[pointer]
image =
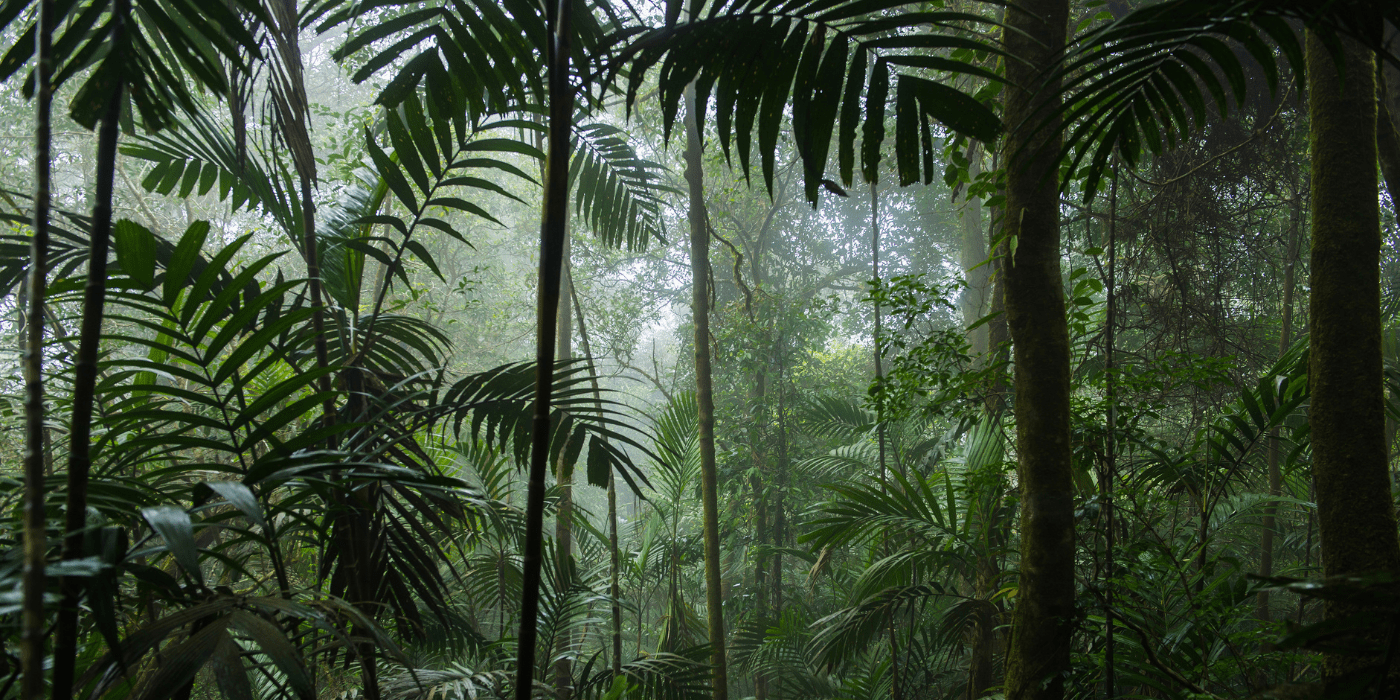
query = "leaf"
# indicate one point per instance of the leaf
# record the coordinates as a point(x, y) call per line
point(954, 109)
point(272, 642)
point(136, 252)
point(172, 523)
point(177, 272)
point(242, 498)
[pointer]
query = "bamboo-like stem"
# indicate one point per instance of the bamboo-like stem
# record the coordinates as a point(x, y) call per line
point(552, 230)
point(1111, 447)
point(563, 482)
point(85, 375)
point(35, 540)
point(704, 394)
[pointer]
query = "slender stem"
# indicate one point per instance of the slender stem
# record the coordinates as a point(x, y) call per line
point(879, 409)
point(614, 560)
point(85, 376)
point(879, 363)
point(35, 540)
point(701, 291)
point(552, 230)
point(1112, 467)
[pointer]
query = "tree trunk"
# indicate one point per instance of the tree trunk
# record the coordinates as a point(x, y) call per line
point(978, 273)
point(1266, 537)
point(1039, 652)
point(85, 379)
point(758, 416)
point(1388, 124)
point(704, 392)
point(35, 539)
point(1347, 416)
point(553, 229)
point(974, 256)
point(979, 669)
point(779, 511)
point(563, 518)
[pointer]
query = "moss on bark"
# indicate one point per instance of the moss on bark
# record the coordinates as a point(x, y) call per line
point(1038, 654)
point(1355, 512)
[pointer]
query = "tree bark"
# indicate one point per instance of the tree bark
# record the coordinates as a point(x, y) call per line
point(35, 539)
point(704, 393)
point(1355, 514)
point(1039, 653)
point(1388, 123)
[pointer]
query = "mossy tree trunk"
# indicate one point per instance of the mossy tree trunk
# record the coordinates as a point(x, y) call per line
point(704, 393)
point(1039, 652)
point(1355, 514)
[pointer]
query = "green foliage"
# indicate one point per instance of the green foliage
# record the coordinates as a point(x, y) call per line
point(170, 46)
point(1140, 83)
point(758, 60)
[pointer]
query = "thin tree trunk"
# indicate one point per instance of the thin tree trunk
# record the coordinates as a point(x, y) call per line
point(880, 427)
point(1355, 512)
point(1039, 653)
point(779, 512)
point(553, 230)
point(760, 507)
point(700, 309)
point(85, 379)
point(1266, 538)
point(293, 108)
point(1111, 468)
point(978, 273)
point(973, 258)
point(615, 564)
point(35, 539)
point(564, 512)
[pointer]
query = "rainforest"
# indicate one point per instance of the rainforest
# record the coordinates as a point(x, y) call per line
point(699, 349)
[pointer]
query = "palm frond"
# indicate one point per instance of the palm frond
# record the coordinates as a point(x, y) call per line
point(759, 59)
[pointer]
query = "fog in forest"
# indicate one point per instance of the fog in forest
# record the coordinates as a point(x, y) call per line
point(838, 349)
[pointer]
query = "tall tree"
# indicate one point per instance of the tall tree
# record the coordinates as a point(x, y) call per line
point(1039, 651)
point(704, 391)
point(1355, 513)
point(563, 477)
point(976, 271)
point(35, 538)
point(553, 232)
point(85, 372)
